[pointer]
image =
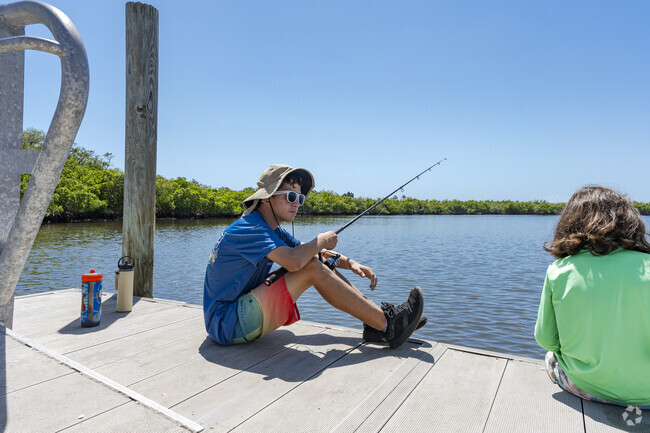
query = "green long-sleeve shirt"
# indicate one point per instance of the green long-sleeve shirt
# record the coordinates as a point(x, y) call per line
point(595, 315)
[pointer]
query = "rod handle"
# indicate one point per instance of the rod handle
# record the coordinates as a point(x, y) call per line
point(275, 276)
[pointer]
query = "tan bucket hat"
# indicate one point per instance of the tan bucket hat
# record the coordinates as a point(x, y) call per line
point(271, 179)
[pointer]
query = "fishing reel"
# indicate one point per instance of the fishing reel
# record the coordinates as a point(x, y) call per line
point(332, 261)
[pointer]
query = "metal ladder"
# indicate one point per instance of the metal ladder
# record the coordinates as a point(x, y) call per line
point(21, 219)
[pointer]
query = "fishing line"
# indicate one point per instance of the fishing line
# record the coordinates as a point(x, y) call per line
point(277, 274)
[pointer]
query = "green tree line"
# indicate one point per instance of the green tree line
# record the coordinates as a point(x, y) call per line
point(90, 188)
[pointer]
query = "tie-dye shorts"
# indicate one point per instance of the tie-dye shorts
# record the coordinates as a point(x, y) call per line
point(263, 310)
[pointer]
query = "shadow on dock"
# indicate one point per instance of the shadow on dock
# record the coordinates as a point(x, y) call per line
point(109, 318)
point(298, 355)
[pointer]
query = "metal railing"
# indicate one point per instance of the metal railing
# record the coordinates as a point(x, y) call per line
point(21, 219)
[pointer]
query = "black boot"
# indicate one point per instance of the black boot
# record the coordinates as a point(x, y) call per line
point(371, 335)
point(401, 320)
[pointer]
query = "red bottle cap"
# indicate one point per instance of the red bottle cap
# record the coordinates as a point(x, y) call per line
point(92, 276)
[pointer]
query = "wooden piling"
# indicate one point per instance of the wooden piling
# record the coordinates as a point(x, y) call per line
point(141, 142)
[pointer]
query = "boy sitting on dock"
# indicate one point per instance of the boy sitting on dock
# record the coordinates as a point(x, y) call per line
point(239, 307)
point(594, 315)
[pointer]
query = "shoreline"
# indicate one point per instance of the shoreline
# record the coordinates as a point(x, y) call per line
point(57, 220)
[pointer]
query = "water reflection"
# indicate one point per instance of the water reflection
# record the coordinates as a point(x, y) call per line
point(481, 275)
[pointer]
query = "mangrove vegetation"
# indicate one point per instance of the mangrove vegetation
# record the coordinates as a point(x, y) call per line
point(90, 188)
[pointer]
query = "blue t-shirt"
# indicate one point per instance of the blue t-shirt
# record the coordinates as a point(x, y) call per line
point(237, 265)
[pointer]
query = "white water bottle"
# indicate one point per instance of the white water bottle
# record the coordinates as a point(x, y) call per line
point(124, 284)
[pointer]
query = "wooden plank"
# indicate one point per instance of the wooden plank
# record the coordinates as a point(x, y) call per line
point(493, 354)
point(72, 339)
point(455, 396)
point(529, 400)
point(357, 381)
point(191, 329)
point(180, 370)
point(605, 418)
point(56, 404)
point(23, 368)
point(229, 403)
point(43, 394)
point(48, 293)
point(60, 313)
point(216, 364)
point(64, 339)
point(109, 385)
point(42, 307)
point(70, 324)
point(130, 417)
point(149, 363)
point(382, 403)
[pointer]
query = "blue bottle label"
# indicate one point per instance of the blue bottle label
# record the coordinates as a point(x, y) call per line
point(84, 302)
point(97, 303)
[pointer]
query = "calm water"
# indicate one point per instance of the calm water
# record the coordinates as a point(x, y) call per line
point(481, 275)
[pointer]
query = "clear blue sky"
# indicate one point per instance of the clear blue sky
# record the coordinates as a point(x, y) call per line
point(526, 100)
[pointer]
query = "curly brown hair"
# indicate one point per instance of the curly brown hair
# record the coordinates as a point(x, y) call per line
point(600, 220)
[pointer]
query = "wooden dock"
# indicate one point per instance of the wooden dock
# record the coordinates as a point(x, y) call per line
point(155, 369)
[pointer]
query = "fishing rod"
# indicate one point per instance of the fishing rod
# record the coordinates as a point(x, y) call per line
point(333, 261)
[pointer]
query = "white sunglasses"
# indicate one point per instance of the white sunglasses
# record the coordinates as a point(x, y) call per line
point(293, 196)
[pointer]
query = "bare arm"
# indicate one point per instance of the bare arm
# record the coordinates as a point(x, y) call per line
point(361, 270)
point(293, 259)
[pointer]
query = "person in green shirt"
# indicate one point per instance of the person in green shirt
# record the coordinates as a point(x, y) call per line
point(594, 313)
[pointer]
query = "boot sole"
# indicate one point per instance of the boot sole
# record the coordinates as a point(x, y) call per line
point(375, 338)
point(408, 331)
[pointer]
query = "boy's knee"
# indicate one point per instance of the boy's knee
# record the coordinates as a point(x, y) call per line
point(317, 270)
point(315, 266)
point(307, 276)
